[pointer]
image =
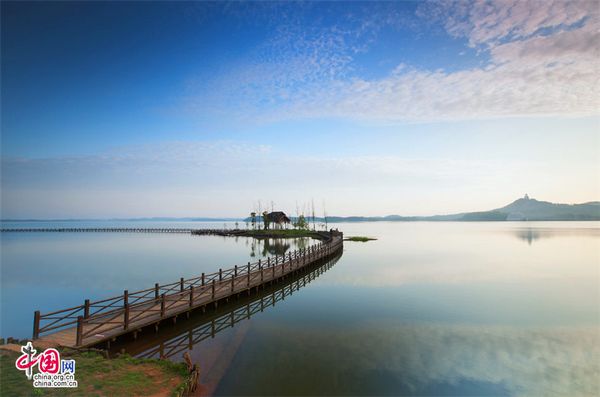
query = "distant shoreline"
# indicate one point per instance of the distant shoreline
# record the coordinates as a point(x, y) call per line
point(329, 220)
point(524, 209)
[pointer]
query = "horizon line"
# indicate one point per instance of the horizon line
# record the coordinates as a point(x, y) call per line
point(230, 218)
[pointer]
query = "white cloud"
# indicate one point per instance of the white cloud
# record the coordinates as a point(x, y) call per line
point(187, 178)
point(543, 60)
point(529, 75)
point(490, 22)
point(226, 178)
point(179, 163)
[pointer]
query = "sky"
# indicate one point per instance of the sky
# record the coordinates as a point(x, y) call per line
point(141, 109)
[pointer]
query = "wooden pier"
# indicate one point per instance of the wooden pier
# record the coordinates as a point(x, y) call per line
point(184, 336)
point(103, 321)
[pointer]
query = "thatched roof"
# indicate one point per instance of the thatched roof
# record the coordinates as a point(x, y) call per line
point(278, 217)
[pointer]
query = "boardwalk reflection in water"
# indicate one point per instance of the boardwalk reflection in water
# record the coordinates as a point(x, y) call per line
point(172, 343)
point(265, 247)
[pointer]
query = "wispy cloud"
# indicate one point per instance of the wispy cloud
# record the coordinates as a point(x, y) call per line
point(184, 177)
point(175, 164)
point(299, 58)
point(541, 61)
point(489, 23)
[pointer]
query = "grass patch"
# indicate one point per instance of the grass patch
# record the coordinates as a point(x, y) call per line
point(360, 239)
point(280, 233)
point(98, 376)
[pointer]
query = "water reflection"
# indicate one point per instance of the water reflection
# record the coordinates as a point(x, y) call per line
point(427, 309)
point(532, 234)
point(264, 247)
point(172, 342)
point(395, 358)
point(529, 235)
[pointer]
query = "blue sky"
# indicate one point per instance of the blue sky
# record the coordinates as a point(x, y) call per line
point(202, 109)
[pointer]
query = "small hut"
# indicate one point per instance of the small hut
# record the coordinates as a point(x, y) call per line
point(278, 219)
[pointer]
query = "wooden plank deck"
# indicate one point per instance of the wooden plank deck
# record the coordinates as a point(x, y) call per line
point(215, 323)
point(110, 322)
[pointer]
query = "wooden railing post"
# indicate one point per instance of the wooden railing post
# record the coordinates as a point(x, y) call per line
point(125, 298)
point(156, 287)
point(79, 337)
point(220, 274)
point(269, 262)
point(202, 278)
point(191, 295)
point(36, 324)
point(181, 284)
point(162, 306)
point(235, 271)
point(86, 309)
point(126, 317)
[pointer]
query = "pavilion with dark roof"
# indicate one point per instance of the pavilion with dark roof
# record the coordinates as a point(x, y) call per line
point(278, 218)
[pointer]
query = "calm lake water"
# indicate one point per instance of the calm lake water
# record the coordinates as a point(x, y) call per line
point(427, 309)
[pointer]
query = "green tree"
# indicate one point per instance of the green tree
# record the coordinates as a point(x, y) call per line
point(301, 222)
point(266, 220)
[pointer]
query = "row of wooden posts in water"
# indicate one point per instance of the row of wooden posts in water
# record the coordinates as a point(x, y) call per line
point(115, 230)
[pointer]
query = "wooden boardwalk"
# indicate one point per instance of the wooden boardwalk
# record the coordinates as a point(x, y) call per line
point(101, 321)
point(243, 309)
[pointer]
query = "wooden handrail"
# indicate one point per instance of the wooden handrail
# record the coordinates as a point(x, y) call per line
point(189, 290)
point(174, 346)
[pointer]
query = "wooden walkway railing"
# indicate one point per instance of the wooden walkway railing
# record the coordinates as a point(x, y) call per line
point(174, 346)
point(95, 322)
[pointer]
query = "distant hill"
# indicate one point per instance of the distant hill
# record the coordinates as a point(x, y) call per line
point(534, 210)
point(523, 209)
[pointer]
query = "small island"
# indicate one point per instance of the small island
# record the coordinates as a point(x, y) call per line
point(277, 233)
point(361, 239)
point(275, 224)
